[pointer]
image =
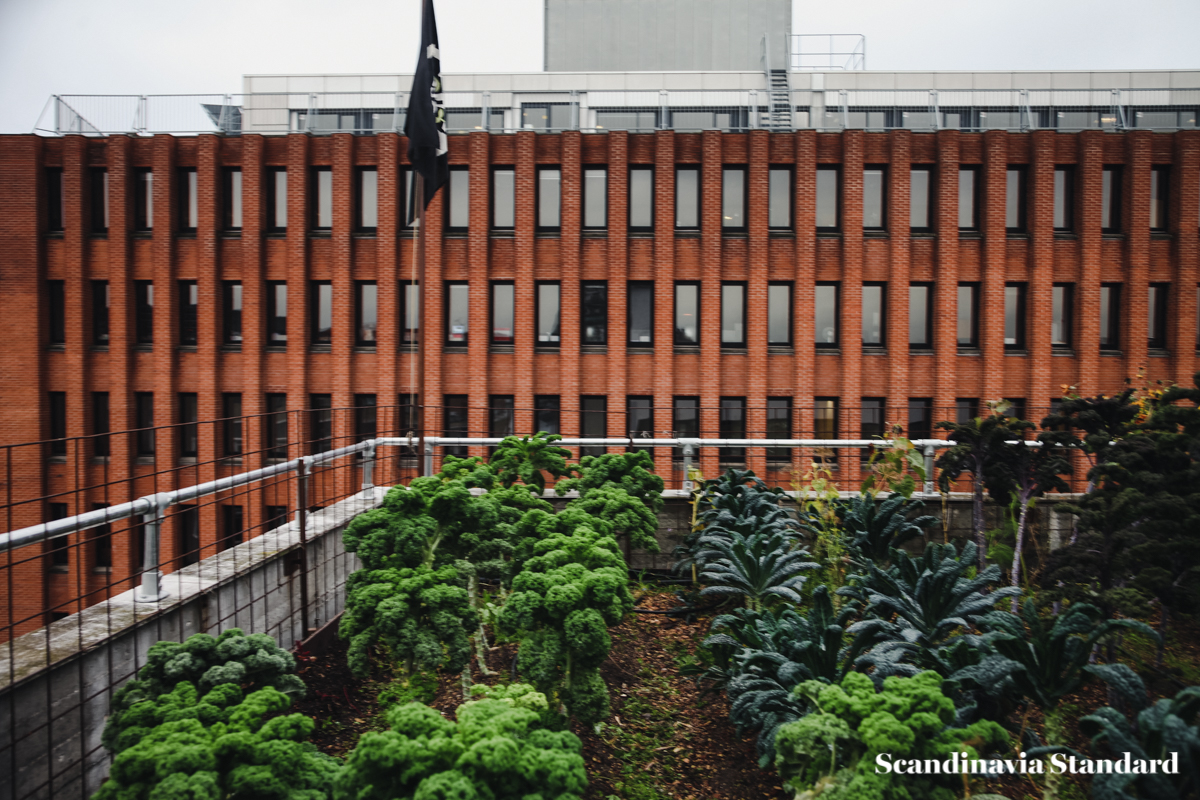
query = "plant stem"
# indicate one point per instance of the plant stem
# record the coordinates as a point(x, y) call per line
point(1054, 736)
point(1016, 565)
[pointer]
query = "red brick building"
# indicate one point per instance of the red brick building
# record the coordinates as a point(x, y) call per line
point(1027, 262)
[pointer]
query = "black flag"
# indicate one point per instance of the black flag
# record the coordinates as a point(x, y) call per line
point(425, 125)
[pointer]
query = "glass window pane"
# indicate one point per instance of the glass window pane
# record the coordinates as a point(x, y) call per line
point(918, 316)
point(733, 198)
point(412, 312)
point(827, 198)
point(1158, 199)
point(918, 212)
point(872, 315)
point(639, 417)
point(233, 313)
point(685, 419)
point(234, 200)
point(546, 414)
point(687, 314)
point(1109, 194)
point(1060, 320)
point(368, 201)
point(593, 422)
point(1062, 199)
point(323, 312)
point(779, 314)
point(460, 197)
point(641, 313)
point(595, 313)
point(1013, 199)
point(502, 313)
point(503, 187)
point(641, 198)
point(733, 314)
point(966, 315)
point(368, 307)
point(966, 198)
point(1013, 316)
point(548, 314)
point(192, 214)
point(873, 198)
point(281, 198)
point(324, 198)
point(779, 214)
point(549, 194)
point(458, 298)
point(826, 315)
point(595, 198)
point(277, 313)
point(687, 198)
point(825, 418)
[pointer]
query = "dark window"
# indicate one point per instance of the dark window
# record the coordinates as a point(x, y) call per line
point(1014, 316)
point(98, 183)
point(58, 424)
point(367, 205)
point(275, 427)
point(54, 199)
point(873, 323)
point(826, 308)
point(277, 199)
point(548, 313)
point(1064, 199)
point(143, 413)
point(277, 314)
point(58, 312)
point(189, 297)
point(60, 546)
point(143, 199)
point(231, 427)
point(872, 422)
point(455, 421)
point(595, 197)
point(825, 426)
point(101, 448)
point(231, 198)
point(733, 426)
point(320, 312)
point(189, 200)
point(504, 213)
point(965, 410)
point(406, 207)
point(503, 312)
point(968, 315)
point(1159, 193)
point(920, 316)
point(366, 313)
point(1157, 318)
point(231, 309)
point(828, 202)
point(458, 309)
point(143, 293)
point(641, 198)
point(274, 517)
point(687, 197)
point(188, 527)
point(779, 426)
point(366, 418)
point(685, 420)
point(546, 413)
point(639, 417)
point(641, 313)
point(411, 321)
point(1014, 200)
point(1062, 311)
point(458, 199)
point(408, 413)
point(1016, 407)
point(968, 190)
point(320, 423)
point(733, 315)
point(500, 416)
point(779, 314)
point(1110, 316)
point(1110, 200)
point(593, 422)
point(322, 199)
point(779, 198)
point(920, 418)
point(733, 198)
point(874, 206)
point(188, 428)
point(233, 526)
point(100, 302)
point(101, 538)
point(594, 304)
point(919, 200)
point(687, 313)
point(549, 198)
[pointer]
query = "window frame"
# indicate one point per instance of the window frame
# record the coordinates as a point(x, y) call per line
point(630, 287)
point(410, 313)
point(653, 205)
point(584, 420)
point(1113, 311)
point(275, 422)
point(316, 179)
point(1068, 199)
point(98, 200)
point(55, 201)
point(143, 199)
point(743, 171)
point(693, 169)
point(1113, 205)
point(837, 316)
point(189, 199)
point(360, 308)
point(1158, 330)
point(883, 315)
point(101, 420)
point(789, 194)
point(494, 204)
point(587, 204)
point(1022, 299)
point(538, 342)
point(974, 171)
point(928, 171)
point(929, 295)
point(512, 335)
point(275, 203)
point(101, 313)
point(629, 407)
point(583, 326)
point(540, 223)
point(145, 444)
point(449, 199)
point(56, 316)
point(360, 200)
point(789, 288)
point(833, 406)
point(189, 313)
point(1067, 323)
point(315, 337)
point(1160, 199)
point(231, 199)
point(883, 197)
point(543, 405)
point(232, 318)
point(974, 286)
point(456, 405)
point(320, 423)
point(448, 295)
point(730, 428)
point(775, 404)
point(742, 310)
point(836, 171)
point(233, 443)
point(676, 338)
point(143, 304)
point(273, 337)
point(925, 404)
point(366, 425)
point(189, 425)
point(501, 406)
point(1021, 174)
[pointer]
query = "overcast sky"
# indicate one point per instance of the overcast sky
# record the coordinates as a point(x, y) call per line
point(178, 47)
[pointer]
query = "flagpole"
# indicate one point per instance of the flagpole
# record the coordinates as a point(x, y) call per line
point(422, 304)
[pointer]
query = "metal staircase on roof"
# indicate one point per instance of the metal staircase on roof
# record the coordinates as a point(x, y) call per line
point(779, 93)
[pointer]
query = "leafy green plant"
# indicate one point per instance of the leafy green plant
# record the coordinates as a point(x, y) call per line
point(250, 662)
point(758, 568)
point(625, 515)
point(744, 510)
point(528, 458)
point(873, 527)
point(892, 467)
point(633, 472)
point(831, 752)
point(498, 750)
point(218, 746)
point(424, 616)
point(564, 598)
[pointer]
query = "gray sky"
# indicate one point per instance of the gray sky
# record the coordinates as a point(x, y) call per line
point(172, 47)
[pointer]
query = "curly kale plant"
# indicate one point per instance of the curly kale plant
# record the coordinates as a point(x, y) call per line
point(831, 752)
point(498, 750)
point(564, 599)
point(633, 472)
point(527, 458)
point(625, 515)
point(423, 615)
point(218, 747)
point(249, 662)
